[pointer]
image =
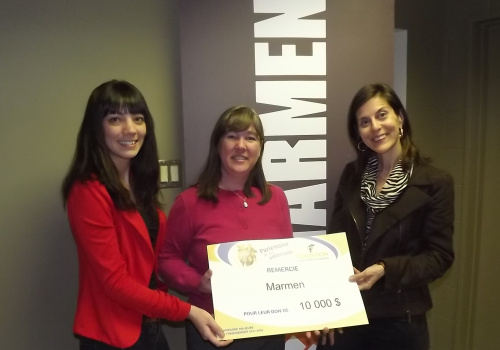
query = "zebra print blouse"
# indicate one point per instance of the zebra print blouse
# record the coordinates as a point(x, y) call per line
point(395, 184)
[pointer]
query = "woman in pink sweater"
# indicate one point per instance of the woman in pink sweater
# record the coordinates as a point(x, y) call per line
point(230, 202)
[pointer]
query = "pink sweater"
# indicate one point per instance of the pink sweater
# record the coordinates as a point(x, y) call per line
point(194, 223)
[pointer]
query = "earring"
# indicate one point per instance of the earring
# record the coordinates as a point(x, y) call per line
point(360, 144)
point(400, 132)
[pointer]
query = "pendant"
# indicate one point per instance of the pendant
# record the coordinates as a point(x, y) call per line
point(245, 204)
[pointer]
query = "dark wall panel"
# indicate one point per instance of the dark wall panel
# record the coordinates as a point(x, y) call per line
point(298, 63)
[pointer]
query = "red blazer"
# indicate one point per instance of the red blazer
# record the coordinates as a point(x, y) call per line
point(116, 260)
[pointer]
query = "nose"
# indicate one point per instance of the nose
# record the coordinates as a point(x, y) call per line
point(375, 123)
point(240, 142)
point(129, 126)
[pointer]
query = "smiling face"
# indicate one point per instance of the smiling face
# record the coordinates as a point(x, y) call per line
point(239, 151)
point(123, 135)
point(378, 126)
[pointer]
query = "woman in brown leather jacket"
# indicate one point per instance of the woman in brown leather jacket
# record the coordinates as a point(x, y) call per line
point(398, 212)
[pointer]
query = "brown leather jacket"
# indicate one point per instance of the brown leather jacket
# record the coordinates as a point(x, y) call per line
point(413, 237)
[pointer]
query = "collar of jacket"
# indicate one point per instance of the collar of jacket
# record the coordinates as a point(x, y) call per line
point(135, 220)
point(412, 198)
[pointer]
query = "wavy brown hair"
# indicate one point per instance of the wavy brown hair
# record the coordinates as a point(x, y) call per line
point(410, 154)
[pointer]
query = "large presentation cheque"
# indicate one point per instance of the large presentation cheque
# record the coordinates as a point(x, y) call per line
point(278, 286)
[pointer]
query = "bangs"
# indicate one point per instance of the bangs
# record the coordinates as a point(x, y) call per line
point(122, 98)
point(240, 122)
point(125, 105)
point(237, 119)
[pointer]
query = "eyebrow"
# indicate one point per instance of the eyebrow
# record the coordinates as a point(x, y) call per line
point(376, 112)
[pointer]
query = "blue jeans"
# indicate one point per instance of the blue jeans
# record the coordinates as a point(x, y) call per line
point(384, 334)
point(151, 338)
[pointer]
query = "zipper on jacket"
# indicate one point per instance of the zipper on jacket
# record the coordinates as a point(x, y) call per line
point(362, 242)
point(355, 221)
point(400, 236)
point(408, 311)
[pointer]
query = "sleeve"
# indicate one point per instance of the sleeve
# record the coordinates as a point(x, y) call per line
point(436, 253)
point(159, 239)
point(174, 251)
point(285, 212)
point(337, 221)
point(90, 213)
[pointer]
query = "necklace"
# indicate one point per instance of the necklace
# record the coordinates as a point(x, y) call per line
point(245, 204)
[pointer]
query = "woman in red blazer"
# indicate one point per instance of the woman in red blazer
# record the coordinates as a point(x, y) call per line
point(110, 192)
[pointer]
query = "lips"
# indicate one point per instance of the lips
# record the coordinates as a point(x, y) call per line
point(127, 143)
point(379, 138)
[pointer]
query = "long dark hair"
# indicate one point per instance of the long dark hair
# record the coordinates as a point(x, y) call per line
point(410, 154)
point(237, 118)
point(92, 158)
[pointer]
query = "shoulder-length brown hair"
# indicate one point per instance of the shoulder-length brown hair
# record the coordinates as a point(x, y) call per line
point(237, 118)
